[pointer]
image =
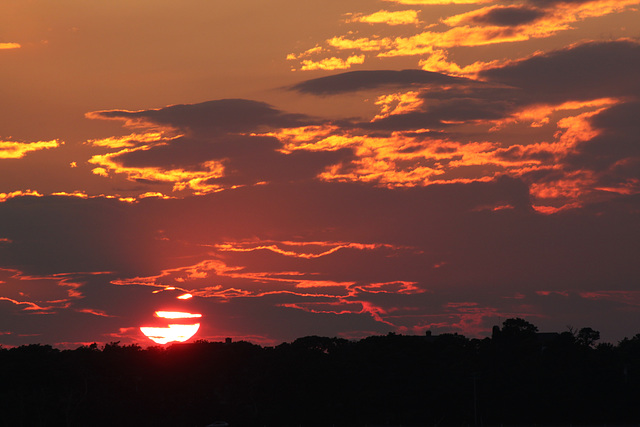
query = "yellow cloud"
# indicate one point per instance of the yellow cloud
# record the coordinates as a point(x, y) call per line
point(17, 150)
point(332, 63)
point(131, 140)
point(401, 17)
point(10, 46)
point(6, 196)
point(438, 62)
point(363, 44)
point(306, 53)
point(463, 31)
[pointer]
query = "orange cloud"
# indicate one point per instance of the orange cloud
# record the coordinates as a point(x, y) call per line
point(29, 306)
point(424, 43)
point(6, 46)
point(539, 114)
point(95, 312)
point(401, 17)
point(17, 150)
point(364, 44)
point(41, 293)
point(275, 247)
point(484, 26)
point(132, 140)
point(182, 179)
point(313, 51)
point(6, 196)
point(332, 63)
point(131, 121)
point(439, 62)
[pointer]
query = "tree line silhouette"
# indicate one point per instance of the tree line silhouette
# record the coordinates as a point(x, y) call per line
point(517, 376)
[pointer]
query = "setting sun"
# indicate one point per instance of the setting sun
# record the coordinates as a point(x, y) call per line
point(179, 333)
point(172, 332)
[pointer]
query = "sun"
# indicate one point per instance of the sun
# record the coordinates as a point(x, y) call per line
point(173, 332)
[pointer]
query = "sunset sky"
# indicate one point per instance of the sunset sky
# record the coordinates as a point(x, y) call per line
point(338, 167)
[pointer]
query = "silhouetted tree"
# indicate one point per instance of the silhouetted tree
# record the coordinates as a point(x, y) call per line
point(518, 328)
point(517, 377)
point(587, 337)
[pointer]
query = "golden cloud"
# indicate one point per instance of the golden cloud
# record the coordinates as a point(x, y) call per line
point(19, 193)
point(131, 140)
point(7, 46)
point(195, 180)
point(532, 23)
point(401, 17)
point(17, 150)
point(332, 63)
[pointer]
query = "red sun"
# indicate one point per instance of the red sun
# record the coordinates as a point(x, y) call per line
point(173, 332)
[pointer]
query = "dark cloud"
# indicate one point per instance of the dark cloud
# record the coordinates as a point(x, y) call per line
point(509, 16)
point(213, 117)
point(580, 73)
point(583, 72)
point(212, 134)
point(373, 79)
point(247, 159)
point(617, 147)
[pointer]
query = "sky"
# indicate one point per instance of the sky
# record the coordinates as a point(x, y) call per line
point(343, 168)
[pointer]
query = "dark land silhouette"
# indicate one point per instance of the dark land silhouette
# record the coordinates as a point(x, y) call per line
point(517, 376)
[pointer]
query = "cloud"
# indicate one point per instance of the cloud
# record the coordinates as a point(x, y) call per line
point(431, 130)
point(242, 160)
point(17, 150)
point(372, 79)
point(614, 153)
point(208, 146)
point(585, 71)
point(332, 63)
point(548, 3)
point(400, 17)
point(505, 15)
point(7, 46)
point(489, 25)
point(211, 117)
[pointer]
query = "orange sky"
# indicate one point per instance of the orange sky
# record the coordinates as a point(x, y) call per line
point(344, 169)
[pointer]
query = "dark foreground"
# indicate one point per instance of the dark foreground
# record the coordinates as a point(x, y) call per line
point(516, 377)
